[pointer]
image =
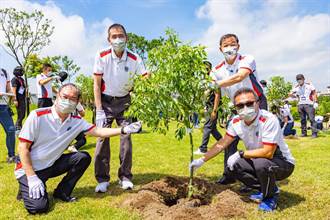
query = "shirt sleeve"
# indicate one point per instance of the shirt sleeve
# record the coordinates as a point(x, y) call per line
point(271, 131)
point(30, 128)
point(85, 126)
point(247, 62)
point(14, 82)
point(230, 130)
point(312, 87)
point(141, 70)
point(98, 68)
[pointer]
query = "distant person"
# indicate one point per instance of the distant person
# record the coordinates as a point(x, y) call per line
point(267, 158)
point(307, 103)
point(287, 105)
point(288, 123)
point(319, 122)
point(264, 86)
point(5, 115)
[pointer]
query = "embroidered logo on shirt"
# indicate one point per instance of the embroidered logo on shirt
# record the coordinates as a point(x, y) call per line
point(126, 68)
point(69, 128)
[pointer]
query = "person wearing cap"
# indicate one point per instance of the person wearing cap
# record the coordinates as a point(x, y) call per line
point(287, 122)
point(114, 71)
point(307, 104)
point(267, 158)
point(211, 109)
point(263, 83)
point(45, 88)
point(44, 137)
point(5, 115)
point(19, 90)
point(235, 72)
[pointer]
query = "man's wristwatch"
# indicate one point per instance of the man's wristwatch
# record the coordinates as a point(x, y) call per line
point(241, 153)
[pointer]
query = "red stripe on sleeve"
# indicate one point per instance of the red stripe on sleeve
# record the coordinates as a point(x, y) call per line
point(230, 135)
point(98, 74)
point(247, 68)
point(89, 129)
point(268, 143)
point(25, 140)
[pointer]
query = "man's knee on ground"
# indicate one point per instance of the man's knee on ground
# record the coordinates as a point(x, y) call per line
point(38, 206)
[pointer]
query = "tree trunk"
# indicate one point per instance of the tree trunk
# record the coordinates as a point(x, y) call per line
point(190, 186)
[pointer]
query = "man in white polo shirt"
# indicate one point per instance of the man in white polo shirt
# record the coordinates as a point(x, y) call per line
point(114, 69)
point(45, 87)
point(45, 135)
point(307, 104)
point(235, 72)
point(267, 158)
point(287, 122)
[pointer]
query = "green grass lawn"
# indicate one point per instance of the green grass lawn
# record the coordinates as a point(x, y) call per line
point(305, 195)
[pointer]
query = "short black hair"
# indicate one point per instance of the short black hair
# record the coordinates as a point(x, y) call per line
point(70, 85)
point(46, 65)
point(228, 36)
point(245, 90)
point(208, 63)
point(116, 25)
point(300, 76)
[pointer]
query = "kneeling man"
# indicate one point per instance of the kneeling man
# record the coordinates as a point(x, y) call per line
point(267, 158)
point(44, 137)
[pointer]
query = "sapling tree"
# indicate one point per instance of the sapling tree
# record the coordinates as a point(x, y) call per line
point(174, 91)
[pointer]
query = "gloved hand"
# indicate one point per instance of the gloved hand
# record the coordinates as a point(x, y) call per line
point(56, 77)
point(132, 128)
point(100, 118)
point(196, 164)
point(213, 85)
point(36, 187)
point(232, 160)
point(315, 105)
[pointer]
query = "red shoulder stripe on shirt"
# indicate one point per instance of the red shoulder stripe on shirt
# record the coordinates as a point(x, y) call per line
point(241, 57)
point(93, 126)
point(132, 56)
point(25, 140)
point(235, 120)
point(220, 65)
point(229, 135)
point(44, 112)
point(247, 68)
point(267, 143)
point(104, 53)
point(262, 119)
point(76, 116)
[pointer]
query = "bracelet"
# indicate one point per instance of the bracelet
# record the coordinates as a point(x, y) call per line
point(241, 154)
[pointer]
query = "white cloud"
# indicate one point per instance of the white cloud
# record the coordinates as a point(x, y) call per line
point(282, 43)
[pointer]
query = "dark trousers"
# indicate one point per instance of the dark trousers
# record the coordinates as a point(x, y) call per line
point(304, 111)
point(261, 173)
point(210, 127)
point(80, 140)
point(21, 108)
point(288, 130)
point(44, 102)
point(232, 148)
point(73, 164)
point(114, 108)
point(8, 125)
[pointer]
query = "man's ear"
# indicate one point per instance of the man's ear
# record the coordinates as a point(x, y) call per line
point(220, 49)
point(238, 46)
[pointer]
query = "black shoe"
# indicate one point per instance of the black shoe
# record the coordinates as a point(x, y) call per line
point(314, 135)
point(224, 180)
point(303, 135)
point(245, 189)
point(64, 197)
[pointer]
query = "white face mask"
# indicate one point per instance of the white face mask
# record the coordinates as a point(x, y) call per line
point(300, 82)
point(119, 44)
point(247, 113)
point(229, 52)
point(66, 106)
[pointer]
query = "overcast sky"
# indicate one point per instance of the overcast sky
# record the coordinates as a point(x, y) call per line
point(286, 37)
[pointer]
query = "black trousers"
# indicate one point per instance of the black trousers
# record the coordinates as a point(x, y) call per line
point(21, 108)
point(261, 173)
point(80, 140)
point(232, 148)
point(304, 111)
point(210, 127)
point(73, 164)
point(44, 102)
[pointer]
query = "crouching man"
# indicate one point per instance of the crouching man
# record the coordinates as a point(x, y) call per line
point(267, 157)
point(44, 137)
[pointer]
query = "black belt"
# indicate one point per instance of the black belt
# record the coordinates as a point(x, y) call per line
point(109, 97)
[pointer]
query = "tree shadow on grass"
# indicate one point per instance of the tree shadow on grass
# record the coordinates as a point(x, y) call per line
point(289, 199)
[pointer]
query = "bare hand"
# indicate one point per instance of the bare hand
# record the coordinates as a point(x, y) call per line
point(213, 115)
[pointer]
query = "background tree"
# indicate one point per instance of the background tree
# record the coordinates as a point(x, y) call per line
point(278, 91)
point(175, 89)
point(85, 83)
point(24, 34)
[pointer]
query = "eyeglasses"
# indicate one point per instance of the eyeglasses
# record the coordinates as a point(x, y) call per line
point(247, 104)
point(64, 96)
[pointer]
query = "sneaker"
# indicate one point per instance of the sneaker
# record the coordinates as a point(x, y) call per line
point(245, 189)
point(268, 204)
point(11, 159)
point(314, 135)
point(126, 184)
point(72, 149)
point(199, 152)
point(258, 196)
point(303, 135)
point(102, 187)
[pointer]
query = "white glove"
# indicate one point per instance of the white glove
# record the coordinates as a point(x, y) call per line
point(196, 164)
point(232, 160)
point(315, 105)
point(79, 107)
point(132, 128)
point(56, 77)
point(100, 118)
point(213, 85)
point(36, 187)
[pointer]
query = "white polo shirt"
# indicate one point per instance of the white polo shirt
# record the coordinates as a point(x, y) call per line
point(225, 70)
point(304, 93)
point(50, 136)
point(286, 113)
point(264, 130)
point(4, 79)
point(44, 91)
point(117, 73)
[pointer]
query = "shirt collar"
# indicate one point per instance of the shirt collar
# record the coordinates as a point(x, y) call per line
point(237, 58)
point(123, 58)
point(254, 123)
point(57, 117)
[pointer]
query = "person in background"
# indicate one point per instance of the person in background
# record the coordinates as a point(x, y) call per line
point(264, 86)
point(319, 122)
point(288, 123)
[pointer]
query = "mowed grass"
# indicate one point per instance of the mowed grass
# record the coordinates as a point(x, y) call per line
point(305, 195)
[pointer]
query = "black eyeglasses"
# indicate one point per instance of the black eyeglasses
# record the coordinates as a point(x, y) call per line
point(247, 104)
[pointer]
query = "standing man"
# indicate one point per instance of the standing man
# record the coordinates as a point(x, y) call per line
point(5, 115)
point(45, 135)
point(44, 86)
point(307, 104)
point(210, 126)
point(267, 158)
point(19, 90)
point(235, 72)
point(114, 69)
